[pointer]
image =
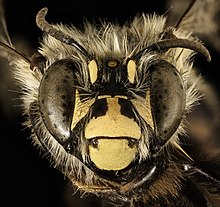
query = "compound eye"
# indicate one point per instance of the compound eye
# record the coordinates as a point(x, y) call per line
point(57, 97)
point(168, 99)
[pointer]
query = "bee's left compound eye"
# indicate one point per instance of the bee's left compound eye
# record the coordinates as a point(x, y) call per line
point(167, 99)
point(56, 98)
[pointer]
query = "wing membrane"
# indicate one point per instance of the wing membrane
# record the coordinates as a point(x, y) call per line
point(202, 18)
point(4, 37)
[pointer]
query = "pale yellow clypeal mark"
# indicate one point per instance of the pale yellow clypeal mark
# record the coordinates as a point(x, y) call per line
point(109, 96)
point(112, 124)
point(112, 154)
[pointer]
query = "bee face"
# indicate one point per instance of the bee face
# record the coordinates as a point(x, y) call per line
point(104, 124)
point(108, 105)
point(107, 110)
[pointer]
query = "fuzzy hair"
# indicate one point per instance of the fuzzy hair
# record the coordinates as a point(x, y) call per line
point(111, 41)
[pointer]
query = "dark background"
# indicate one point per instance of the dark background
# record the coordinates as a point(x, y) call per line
point(27, 179)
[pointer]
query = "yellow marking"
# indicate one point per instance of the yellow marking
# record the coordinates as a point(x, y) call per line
point(112, 63)
point(112, 154)
point(144, 109)
point(131, 67)
point(113, 108)
point(93, 71)
point(80, 109)
point(112, 124)
point(109, 96)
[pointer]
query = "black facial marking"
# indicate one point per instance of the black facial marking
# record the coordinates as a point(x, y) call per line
point(99, 108)
point(126, 108)
point(111, 80)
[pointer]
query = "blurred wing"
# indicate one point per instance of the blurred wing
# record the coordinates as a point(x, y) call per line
point(4, 37)
point(202, 18)
point(7, 50)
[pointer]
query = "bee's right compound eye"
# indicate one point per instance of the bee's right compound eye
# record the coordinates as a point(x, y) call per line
point(57, 97)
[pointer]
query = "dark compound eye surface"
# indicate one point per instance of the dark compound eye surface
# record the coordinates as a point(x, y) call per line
point(56, 98)
point(167, 99)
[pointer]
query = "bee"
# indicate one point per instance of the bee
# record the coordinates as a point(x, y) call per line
point(112, 106)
